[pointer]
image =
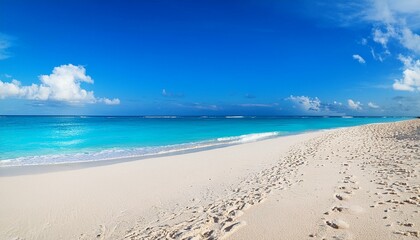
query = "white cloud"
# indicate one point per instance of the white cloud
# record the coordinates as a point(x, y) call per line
point(391, 11)
point(404, 6)
point(354, 105)
point(391, 20)
point(63, 85)
point(15, 89)
point(383, 37)
point(410, 40)
point(411, 75)
point(359, 58)
point(373, 105)
point(306, 103)
point(398, 18)
point(379, 11)
point(107, 101)
point(397, 21)
point(401, 33)
point(164, 93)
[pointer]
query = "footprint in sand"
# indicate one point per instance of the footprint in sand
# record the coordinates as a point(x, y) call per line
point(337, 209)
point(340, 197)
point(232, 228)
point(337, 224)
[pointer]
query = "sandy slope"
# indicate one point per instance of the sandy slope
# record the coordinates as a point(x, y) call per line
point(359, 183)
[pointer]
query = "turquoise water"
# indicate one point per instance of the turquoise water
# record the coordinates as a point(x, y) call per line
point(37, 140)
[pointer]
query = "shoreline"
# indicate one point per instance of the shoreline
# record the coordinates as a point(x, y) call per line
point(6, 171)
point(257, 190)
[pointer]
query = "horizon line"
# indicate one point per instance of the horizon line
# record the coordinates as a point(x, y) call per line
point(174, 115)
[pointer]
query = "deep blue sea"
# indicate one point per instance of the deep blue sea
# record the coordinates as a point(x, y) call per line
point(38, 140)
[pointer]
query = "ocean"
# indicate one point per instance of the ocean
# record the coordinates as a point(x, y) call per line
point(44, 140)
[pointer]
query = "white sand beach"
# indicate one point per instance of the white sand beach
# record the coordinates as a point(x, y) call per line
point(351, 183)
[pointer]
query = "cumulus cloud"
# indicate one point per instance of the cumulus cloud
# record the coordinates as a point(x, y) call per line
point(354, 105)
point(107, 101)
point(373, 105)
point(63, 85)
point(316, 106)
point(411, 75)
point(359, 58)
point(306, 103)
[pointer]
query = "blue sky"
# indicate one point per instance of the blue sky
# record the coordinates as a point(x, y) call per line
point(210, 57)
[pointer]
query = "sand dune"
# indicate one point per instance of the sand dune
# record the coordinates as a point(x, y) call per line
point(352, 183)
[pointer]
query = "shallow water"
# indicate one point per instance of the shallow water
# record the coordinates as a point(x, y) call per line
point(38, 140)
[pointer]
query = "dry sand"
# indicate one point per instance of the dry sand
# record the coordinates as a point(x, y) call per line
point(353, 183)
